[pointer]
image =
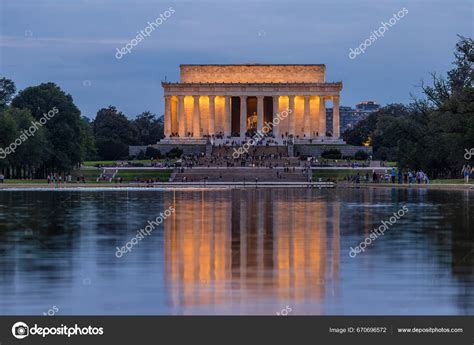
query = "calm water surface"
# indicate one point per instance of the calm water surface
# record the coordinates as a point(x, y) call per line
point(236, 252)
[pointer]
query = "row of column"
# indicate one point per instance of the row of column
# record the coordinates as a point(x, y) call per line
point(285, 234)
point(196, 127)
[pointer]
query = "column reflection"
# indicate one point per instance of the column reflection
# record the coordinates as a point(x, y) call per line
point(226, 248)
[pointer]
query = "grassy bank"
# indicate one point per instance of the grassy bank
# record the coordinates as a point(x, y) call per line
point(24, 181)
point(130, 175)
point(448, 181)
point(90, 175)
point(332, 174)
point(118, 163)
point(113, 163)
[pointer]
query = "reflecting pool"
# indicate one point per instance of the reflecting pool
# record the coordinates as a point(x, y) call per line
point(237, 251)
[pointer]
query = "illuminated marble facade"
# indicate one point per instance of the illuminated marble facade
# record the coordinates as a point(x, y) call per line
point(218, 99)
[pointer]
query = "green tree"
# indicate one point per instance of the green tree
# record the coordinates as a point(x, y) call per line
point(31, 148)
point(361, 133)
point(367, 129)
point(431, 133)
point(7, 90)
point(149, 129)
point(113, 134)
point(152, 153)
point(63, 131)
point(8, 132)
point(88, 147)
point(175, 152)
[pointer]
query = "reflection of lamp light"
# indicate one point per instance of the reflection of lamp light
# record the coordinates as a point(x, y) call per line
point(368, 142)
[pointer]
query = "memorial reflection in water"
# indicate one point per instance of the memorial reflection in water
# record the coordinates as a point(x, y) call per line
point(221, 250)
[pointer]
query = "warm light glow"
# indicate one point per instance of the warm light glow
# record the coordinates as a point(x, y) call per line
point(206, 246)
point(368, 142)
point(204, 111)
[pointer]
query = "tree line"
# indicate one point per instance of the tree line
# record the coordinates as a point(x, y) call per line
point(33, 145)
point(431, 133)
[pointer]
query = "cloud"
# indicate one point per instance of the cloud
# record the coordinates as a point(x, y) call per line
point(29, 41)
point(75, 40)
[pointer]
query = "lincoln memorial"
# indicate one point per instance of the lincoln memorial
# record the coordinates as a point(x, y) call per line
point(223, 102)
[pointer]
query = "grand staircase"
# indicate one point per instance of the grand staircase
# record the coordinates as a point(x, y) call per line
point(240, 175)
point(107, 175)
point(260, 163)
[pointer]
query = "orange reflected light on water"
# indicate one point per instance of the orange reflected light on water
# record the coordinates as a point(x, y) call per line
point(221, 250)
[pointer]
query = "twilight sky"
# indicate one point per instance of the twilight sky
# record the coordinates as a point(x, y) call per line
point(73, 43)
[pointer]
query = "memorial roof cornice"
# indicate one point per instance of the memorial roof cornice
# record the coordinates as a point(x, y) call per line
point(338, 83)
point(256, 64)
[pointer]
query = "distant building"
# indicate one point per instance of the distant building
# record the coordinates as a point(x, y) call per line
point(349, 117)
point(368, 106)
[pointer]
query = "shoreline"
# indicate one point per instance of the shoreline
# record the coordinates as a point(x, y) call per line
point(164, 185)
point(224, 185)
point(436, 186)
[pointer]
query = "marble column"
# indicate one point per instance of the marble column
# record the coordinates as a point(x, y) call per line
point(174, 114)
point(306, 119)
point(227, 117)
point(335, 117)
point(259, 113)
point(243, 116)
point(197, 118)
point(276, 110)
point(322, 116)
point(181, 119)
point(291, 115)
point(167, 126)
point(212, 115)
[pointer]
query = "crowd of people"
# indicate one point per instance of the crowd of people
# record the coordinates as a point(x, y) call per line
point(272, 158)
point(348, 163)
point(393, 175)
point(58, 178)
point(223, 158)
point(138, 180)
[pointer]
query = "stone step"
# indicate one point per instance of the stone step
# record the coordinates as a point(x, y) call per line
point(239, 174)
